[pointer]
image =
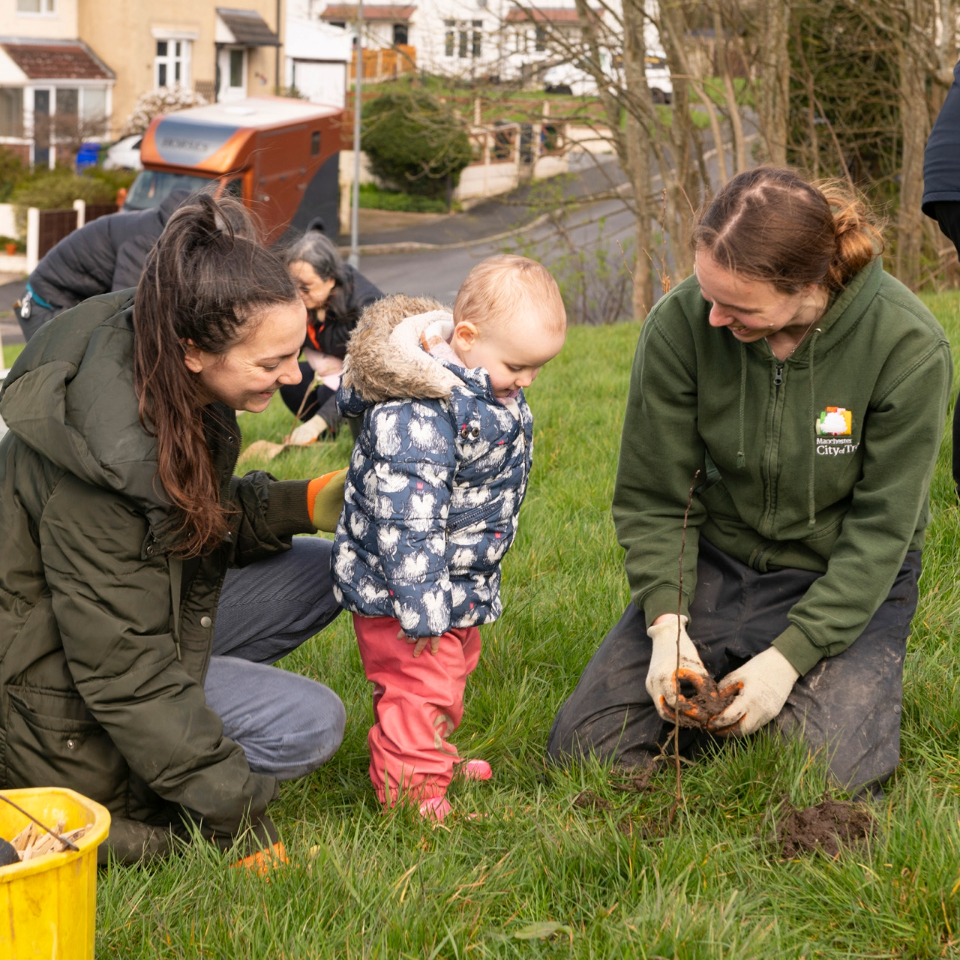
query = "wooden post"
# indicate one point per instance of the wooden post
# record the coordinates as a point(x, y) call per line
point(33, 239)
point(81, 207)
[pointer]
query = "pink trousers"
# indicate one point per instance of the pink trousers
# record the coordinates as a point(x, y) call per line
point(417, 704)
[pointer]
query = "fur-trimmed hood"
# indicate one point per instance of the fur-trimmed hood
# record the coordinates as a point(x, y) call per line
point(386, 359)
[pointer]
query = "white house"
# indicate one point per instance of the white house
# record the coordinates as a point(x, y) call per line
point(317, 55)
point(54, 90)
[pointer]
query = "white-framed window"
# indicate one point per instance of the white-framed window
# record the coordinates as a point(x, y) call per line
point(11, 112)
point(171, 63)
point(37, 6)
point(62, 117)
point(463, 38)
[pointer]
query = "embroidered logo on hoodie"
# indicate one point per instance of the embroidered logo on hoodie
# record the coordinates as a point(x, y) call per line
point(833, 424)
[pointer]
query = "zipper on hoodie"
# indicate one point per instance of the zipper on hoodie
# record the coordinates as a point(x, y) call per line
point(771, 452)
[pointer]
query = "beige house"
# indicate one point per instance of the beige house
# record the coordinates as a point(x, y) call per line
point(224, 53)
point(54, 91)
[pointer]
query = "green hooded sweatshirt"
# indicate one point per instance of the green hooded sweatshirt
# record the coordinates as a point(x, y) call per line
point(105, 638)
point(820, 462)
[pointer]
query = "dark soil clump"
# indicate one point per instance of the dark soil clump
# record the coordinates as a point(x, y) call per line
point(705, 704)
point(588, 800)
point(826, 827)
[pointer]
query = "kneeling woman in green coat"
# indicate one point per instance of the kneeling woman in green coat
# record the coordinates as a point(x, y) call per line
point(805, 390)
point(144, 589)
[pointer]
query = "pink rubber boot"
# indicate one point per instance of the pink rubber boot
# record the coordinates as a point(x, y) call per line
point(436, 808)
point(475, 770)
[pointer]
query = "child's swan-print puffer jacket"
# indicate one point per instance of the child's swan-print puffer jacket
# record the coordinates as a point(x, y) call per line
point(436, 480)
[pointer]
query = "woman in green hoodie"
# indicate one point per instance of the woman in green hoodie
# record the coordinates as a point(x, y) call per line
point(800, 391)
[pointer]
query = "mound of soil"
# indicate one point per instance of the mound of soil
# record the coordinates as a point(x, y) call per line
point(706, 703)
point(827, 827)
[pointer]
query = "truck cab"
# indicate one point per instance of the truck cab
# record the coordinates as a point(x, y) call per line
point(278, 155)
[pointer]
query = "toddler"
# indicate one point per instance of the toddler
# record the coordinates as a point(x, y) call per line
point(432, 500)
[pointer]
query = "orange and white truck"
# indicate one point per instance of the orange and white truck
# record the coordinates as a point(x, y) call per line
point(280, 156)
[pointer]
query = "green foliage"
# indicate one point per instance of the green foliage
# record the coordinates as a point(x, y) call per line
point(57, 189)
point(415, 142)
point(373, 197)
point(11, 169)
point(844, 95)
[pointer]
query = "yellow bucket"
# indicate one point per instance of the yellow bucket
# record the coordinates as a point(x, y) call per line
point(48, 906)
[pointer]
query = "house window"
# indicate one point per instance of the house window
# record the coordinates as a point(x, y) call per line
point(172, 63)
point(11, 111)
point(36, 6)
point(521, 41)
point(540, 44)
point(463, 37)
point(236, 68)
point(400, 34)
point(93, 111)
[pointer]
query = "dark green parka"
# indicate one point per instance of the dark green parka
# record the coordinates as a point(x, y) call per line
point(105, 639)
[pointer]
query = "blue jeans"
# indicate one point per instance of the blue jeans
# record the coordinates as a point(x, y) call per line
point(287, 724)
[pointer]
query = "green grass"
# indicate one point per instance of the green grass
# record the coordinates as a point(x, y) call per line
point(373, 197)
point(712, 887)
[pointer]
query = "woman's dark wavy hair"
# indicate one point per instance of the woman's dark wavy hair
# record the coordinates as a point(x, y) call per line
point(770, 224)
point(319, 251)
point(205, 282)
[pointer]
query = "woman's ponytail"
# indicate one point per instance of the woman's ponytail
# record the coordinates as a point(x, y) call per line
point(202, 284)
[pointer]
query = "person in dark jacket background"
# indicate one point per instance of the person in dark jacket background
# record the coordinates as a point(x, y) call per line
point(134, 659)
point(104, 255)
point(335, 295)
point(941, 198)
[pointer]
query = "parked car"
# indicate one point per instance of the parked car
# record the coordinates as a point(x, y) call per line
point(124, 154)
point(573, 78)
point(278, 155)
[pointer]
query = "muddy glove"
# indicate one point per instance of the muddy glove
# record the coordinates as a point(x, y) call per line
point(325, 500)
point(765, 682)
point(309, 431)
point(662, 684)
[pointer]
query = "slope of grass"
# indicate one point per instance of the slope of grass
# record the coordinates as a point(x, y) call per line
point(713, 886)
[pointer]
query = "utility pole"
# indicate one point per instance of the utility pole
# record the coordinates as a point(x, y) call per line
point(354, 258)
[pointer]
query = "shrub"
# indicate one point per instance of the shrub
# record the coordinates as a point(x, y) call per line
point(11, 169)
point(156, 102)
point(373, 197)
point(415, 142)
point(56, 190)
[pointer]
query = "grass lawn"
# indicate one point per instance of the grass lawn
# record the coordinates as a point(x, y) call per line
point(535, 863)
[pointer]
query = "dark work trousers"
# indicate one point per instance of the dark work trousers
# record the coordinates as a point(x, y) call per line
point(947, 214)
point(848, 706)
point(306, 400)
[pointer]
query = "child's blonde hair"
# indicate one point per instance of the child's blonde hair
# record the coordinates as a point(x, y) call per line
point(496, 287)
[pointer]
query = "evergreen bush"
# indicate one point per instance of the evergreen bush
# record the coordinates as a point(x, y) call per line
point(415, 142)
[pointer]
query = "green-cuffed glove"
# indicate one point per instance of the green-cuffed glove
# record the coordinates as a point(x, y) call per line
point(325, 500)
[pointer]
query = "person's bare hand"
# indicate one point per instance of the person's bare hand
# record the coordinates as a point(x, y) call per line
point(420, 643)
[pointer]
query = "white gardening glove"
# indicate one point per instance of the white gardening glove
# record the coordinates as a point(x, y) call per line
point(309, 431)
point(765, 683)
point(662, 683)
